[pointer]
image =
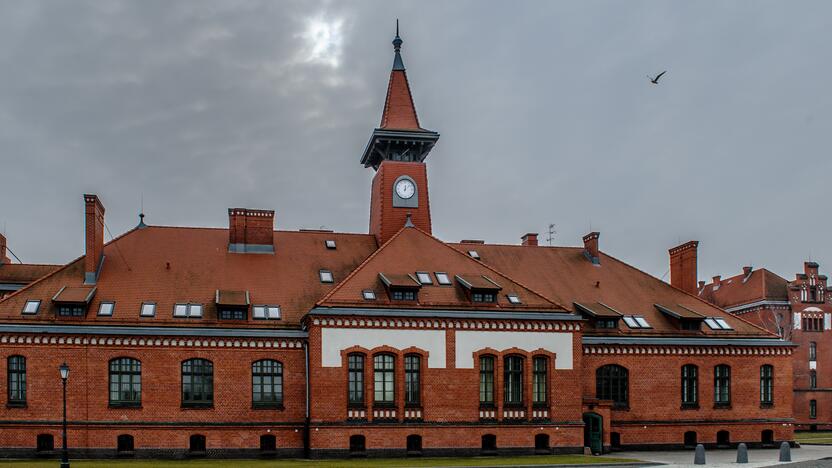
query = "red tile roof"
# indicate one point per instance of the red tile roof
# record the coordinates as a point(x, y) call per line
point(737, 290)
point(399, 111)
point(75, 294)
point(24, 273)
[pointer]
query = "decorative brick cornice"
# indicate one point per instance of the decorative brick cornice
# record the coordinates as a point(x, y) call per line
point(504, 325)
point(149, 341)
point(686, 350)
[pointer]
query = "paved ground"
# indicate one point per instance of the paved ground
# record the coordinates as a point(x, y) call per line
point(808, 456)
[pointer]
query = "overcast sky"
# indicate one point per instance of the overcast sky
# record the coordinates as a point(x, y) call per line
point(545, 111)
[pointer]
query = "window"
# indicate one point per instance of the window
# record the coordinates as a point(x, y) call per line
point(125, 382)
point(812, 324)
point(813, 351)
point(690, 386)
point(232, 314)
point(722, 385)
point(45, 443)
point(513, 299)
point(330, 244)
point(72, 310)
point(383, 379)
point(197, 383)
point(766, 385)
point(691, 325)
point(424, 277)
point(326, 276)
point(16, 368)
point(611, 383)
point(358, 444)
point(196, 444)
point(443, 278)
point(106, 308)
point(483, 297)
point(636, 321)
point(540, 365)
point(813, 379)
point(606, 323)
point(403, 295)
point(356, 379)
point(369, 295)
point(148, 309)
point(474, 254)
point(187, 310)
point(486, 380)
point(267, 384)
point(31, 307)
point(513, 380)
point(717, 323)
point(268, 443)
point(813, 409)
point(124, 443)
point(266, 312)
point(412, 379)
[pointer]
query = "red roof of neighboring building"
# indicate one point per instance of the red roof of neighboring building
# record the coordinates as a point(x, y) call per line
point(24, 273)
point(760, 285)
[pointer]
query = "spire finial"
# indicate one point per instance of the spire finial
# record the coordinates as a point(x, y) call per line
point(398, 64)
point(141, 221)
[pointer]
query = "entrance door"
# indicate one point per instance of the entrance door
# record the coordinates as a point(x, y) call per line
point(593, 432)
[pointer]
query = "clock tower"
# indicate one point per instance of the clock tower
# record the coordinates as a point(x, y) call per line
point(397, 152)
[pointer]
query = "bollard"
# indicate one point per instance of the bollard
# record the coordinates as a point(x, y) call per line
point(785, 452)
point(742, 453)
point(699, 456)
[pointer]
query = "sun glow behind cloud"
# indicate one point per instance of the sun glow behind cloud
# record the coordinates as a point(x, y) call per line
point(323, 41)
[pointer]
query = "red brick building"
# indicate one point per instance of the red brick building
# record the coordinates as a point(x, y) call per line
point(14, 276)
point(801, 312)
point(251, 341)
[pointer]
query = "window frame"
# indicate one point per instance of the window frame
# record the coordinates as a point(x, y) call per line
point(442, 278)
point(355, 380)
point(722, 386)
point(206, 387)
point(813, 379)
point(369, 295)
point(488, 388)
point(267, 309)
point(412, 380)
point(273, 373)
point(813, 351)
point(112, 305)
point(37, 303)
point(189, 308)
point(330, 244)
point(424, 278)
point(384, 373)
point(18, 375)
point(612, 382)
point(766, 386)
point(128, 377)
point(513, 381)
point(152, 306)
point(540, 381)
point(513, 299)
point(326, 276)
point(813, 409)
point(689, 386)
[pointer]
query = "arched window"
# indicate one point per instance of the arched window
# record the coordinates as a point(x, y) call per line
point(690, 386)
point(611, 383)
point(412, 379)
point(813, 351)
point(541, 443)
point(722, 385)
point(358, 444)
point(540, 378)
point(125, 382)
point(267, 384)
point(813, 379)
point(45, 443)
point(355, 379)
point(197, 383)
point(487, 380)
point(384, 379)
point(513, 380)
point(489, 443)
point(16, 380)
point(723, 439)
point(690, 439)
point(414, 444)
point(124, 443)
point(268, 443)
point(196, 444)
point(766, 385)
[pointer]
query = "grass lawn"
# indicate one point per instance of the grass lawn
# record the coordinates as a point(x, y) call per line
point(354, 463)
point(821, 438)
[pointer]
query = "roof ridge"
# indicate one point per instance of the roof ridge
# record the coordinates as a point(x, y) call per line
point(32, 264)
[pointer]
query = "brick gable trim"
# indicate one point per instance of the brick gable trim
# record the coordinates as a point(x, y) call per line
point(148, 341)
point(153, 331)
point(679, 341)
point(448, 314)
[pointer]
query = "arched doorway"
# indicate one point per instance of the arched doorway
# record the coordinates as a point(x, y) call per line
point(594, 432)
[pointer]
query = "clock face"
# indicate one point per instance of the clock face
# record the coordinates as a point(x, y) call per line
point(405, 188)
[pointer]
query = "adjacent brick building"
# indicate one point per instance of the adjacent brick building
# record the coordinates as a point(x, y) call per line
point(251, 341)
point(14, 276)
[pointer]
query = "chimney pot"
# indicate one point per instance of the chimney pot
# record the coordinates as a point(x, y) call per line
point(591, 247)
point(717, 280)
point(746, 270)
point(250, 230)
point(701, 284)
point(94, 228)
point(683, 267)
point(530, 239)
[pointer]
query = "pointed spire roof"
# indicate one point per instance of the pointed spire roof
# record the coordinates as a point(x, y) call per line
point(399, 111)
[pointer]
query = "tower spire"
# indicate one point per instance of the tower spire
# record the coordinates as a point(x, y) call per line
point(398, 63)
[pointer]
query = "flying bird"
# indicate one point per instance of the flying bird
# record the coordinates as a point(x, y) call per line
point(656, 79)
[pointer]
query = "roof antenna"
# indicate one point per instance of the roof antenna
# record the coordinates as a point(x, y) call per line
point(551, 236)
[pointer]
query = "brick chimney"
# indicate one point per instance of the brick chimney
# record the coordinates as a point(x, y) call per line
point(591, 247)
point(530, 239)
point(250, 231)
point(3, 257)
point(716, 281)
point(94, 228)
point(810, 268)
point(746, 270)
point(683, 266)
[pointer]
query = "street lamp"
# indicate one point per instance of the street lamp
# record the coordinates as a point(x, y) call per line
point(64, 375)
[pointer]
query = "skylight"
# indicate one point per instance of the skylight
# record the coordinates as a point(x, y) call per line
point(31, 307)
point(187, 310)
point(424, 277)
point(442, 278)
point(148, 310)
point(514, 299)
point(369, 295)
point(266, 312)
point(330, 244)
point(326, 276)
point(474, 254)
point(106, 308)
point(636, 321)
point(717, 323)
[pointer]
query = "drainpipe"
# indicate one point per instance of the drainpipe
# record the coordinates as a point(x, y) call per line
point(306, 433)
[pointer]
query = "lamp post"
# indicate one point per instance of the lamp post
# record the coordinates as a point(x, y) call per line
point(64, 375)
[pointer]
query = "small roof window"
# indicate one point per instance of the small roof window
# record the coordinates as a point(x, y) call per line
point(369, 295)
point(513, 299)
point(717, 323)
point(148, 309)
point(636, 321)
point(187, 310)
point(31, 307)
point(326, 276)
point(424, 277)
point(443, 278)
point(266, 312)
point(330, 244)
point(106, 308)
point(474, 254)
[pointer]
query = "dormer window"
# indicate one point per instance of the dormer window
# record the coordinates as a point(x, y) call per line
point(105, 309)
point(481, 289)
point(403, 294)
point(148, 309)
point(424, 277)
point(369, 295)
point(231, 305)
point(326, 276)
point(31, 307)
point(636, 321)
point(483, 297)
point(717, 323)
point(601, 315)
point(73, 301)
point(442, 278)
point(187, 310)
point(401, 287)
point(606, 323)
point(474, 254)
point(330, 244)
point(266, 312)
point(686, 318)
point(513, 299)
point(72, 310)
